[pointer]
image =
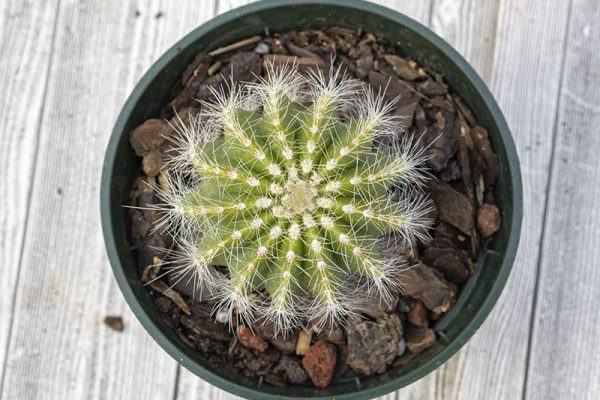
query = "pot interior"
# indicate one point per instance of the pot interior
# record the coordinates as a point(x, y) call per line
point(122, 167)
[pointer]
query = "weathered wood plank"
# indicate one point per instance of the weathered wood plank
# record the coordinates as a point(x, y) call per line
point(563, 362)
point(26, 42)
point(523, 74)
point(470, 26)
point(59, 347)
point(419, 10)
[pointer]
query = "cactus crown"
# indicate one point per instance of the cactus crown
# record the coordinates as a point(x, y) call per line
point(289, 195)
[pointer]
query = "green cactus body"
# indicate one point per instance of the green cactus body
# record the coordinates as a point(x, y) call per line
point(293, 200)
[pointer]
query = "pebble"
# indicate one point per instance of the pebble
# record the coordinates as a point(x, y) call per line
point(372, 346)
point(488, 220)
point(419, 339)
point(401, 347)
point(293, 369)
point(114, 322)
point(303, 342)
point(418, 314)
point(319, 363)
point(248, 339)
point(262, 48)
point(424, 283)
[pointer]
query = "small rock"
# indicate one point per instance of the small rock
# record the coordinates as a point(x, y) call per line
point(431, 87)
point(150, 140)
point(269, 357)
point(439, 140)
point(275, 380)
point(463, 159)
point(402, 68)
point(453, 266)
point(483, 146)
point(303, 343)
point(114, 322)
point(404, 359)
point(372, 305)
point(464, 110)
point(419, 339)
point(319, 363)
point(287, 344)
point(262, 48)
point(341, 366)
point(152, 163)
point(248, 339)
point(424, 283)
point(196, 71)
point(151, 135)
point(293, 369)
point(372, 346)
point(277, 47)
point(193, 77)
point(403, 305)
point(392, 87)
point(453, 207)
point(488, 220)
point(333, 334)
point(401, 346)
point(418, 314)
point(205, 327)
point(163, 304)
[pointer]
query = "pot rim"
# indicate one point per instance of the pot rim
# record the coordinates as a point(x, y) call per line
point(108, 225)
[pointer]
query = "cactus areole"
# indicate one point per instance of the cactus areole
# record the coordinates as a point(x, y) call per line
point(292, 194)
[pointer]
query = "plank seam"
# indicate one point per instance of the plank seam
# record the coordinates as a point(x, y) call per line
point(176, 385)
point(29, 196)
point(430, 16)
point(488, 75)
point(216, 8)
point(547, 200)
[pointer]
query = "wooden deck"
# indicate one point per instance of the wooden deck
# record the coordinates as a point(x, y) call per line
point(66, 67)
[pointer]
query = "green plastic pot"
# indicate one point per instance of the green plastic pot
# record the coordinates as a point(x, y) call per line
point(121, 167)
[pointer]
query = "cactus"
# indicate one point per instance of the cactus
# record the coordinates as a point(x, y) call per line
point(288, 193)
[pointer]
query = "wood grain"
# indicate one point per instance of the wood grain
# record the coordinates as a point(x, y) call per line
point(26, 42)
point(524, 76)
point(59, 347)
point(563, 360)
point(67, 69)
point(470, 27)
point(419, 10)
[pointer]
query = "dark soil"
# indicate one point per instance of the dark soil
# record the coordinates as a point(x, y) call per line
point(464, 169)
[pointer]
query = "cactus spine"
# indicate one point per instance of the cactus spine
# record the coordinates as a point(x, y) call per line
point(289, 195)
